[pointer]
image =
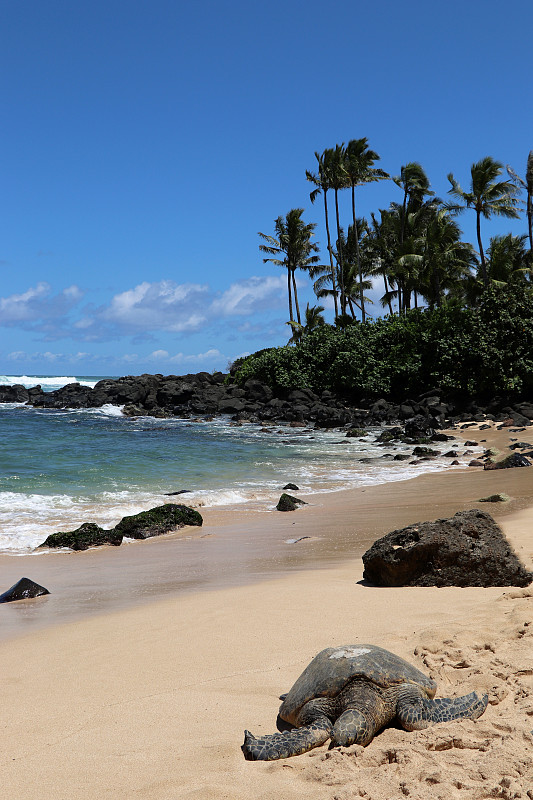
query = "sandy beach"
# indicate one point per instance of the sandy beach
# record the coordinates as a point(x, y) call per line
point(137, 675)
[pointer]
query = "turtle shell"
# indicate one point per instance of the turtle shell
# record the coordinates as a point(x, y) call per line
point(330, 671)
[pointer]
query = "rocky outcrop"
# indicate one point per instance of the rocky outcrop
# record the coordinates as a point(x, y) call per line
point(23, 590)
point(14, 394)
point(87, 535)
point(207, 394)
point(468, 549)
point(157, 521)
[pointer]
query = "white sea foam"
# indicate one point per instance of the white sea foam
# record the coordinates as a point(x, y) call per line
point(106, 410)
point(236, 465)
point(47, 382)
point(27, 519)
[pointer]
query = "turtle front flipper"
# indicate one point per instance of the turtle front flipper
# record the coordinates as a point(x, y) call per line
point(287, 744)
point(415, 711)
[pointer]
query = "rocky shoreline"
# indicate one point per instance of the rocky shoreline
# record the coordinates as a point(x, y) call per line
point(209, 394)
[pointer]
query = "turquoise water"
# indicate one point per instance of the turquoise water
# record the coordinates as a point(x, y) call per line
point(61, 468)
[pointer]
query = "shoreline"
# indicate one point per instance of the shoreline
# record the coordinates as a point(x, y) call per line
point(238, 545)
point(318, 460)
point(149, 699)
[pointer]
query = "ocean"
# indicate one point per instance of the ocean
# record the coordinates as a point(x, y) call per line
point(59, 469)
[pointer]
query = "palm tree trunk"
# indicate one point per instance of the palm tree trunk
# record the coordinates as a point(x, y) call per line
point(530, 221)
point(529, 187)
point(339, 254)
point(291, 318)
point(296, 298)
point(387, 292)
point(404, 212)
point(480, 245)
point(357, 255)
point(333, 281)
point(436, 283)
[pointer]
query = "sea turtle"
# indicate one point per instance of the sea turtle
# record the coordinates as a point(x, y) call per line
point(347, 694)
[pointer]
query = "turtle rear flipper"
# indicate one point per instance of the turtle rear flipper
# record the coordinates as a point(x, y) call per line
point(417, 712)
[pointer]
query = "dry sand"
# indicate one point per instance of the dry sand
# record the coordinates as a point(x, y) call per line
point(151, 701)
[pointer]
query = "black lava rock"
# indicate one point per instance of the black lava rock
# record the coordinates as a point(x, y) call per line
point(157, 521)
point(23, 590)
point(87, 535)
point(289, 503)
point(469, 549)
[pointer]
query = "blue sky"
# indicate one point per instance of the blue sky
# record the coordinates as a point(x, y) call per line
point(146, 143)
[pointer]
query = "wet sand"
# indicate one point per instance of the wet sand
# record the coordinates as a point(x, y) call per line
point(236, 546)
point(131, 680)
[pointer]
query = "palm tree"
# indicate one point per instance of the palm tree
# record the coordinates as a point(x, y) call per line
point(526, 184)
point(321, 180)
point(487, 196)
point(359, 169)
point(397, 243)
point(380, 247)
point(352, 284)
point(313, 320)
point(293, 242)
point(339, 180)
point(507, 256)
point(415, 184)
point(443, 261)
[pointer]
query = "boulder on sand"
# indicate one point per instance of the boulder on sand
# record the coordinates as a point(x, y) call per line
point(469, 549)
point(157, 521)
point(23, 590)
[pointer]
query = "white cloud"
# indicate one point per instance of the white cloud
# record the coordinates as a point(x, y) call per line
point(209, 355)
point(158, 306)
point(142, 310)
point(250, 296)
point(19, 307)
point(37, 308)
point(182, 358)
point(21, 355)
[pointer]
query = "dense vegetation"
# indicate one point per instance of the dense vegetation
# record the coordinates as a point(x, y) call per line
point(459, 319)
point(462, 351)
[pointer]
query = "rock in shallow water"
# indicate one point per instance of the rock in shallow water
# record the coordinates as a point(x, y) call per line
point(87, 535)
point(289, 503)
point(154, 522)
point(23, 590)
point(157, 521)
point(468, 549)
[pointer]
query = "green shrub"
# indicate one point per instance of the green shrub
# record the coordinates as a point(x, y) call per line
point(476, 352)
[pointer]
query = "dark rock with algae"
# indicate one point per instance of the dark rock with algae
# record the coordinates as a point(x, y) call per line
point(157, 521)
point(87, 535)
